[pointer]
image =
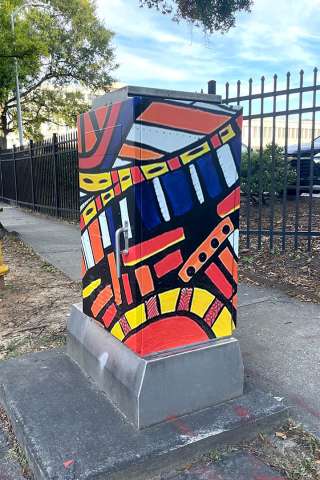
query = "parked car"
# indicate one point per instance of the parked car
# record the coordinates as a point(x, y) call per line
point(305, 166)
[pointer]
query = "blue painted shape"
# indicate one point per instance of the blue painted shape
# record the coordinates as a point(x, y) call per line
point(177, 191)
point(207, 167)
point(111, 226)
point(147, 204)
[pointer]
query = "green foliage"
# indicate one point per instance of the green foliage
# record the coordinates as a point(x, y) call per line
point(261, 177)
point(211, 15)
point(57, 43)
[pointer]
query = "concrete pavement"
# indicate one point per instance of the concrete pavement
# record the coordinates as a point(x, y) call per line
point(279, 335)
point(55, 241)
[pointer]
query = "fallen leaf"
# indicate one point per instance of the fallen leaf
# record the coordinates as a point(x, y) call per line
point(281, 435)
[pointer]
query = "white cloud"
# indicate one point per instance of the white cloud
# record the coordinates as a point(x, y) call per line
point(278, 35)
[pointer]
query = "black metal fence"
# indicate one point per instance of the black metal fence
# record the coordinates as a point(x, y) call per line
point(43, 176)
point(280, 175)
point(281, 165)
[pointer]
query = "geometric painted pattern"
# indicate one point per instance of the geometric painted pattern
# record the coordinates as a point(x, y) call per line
point(171, 170)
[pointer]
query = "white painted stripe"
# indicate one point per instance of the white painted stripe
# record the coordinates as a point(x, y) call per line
point(234, 241)
point(161, 199)
point(84, 204)
point(87, 249)
point(162, 138)
point(196, 183)
point(125, 215)
point(121, 163)
point(104, 230)
point(214, 107)
point(227, 164)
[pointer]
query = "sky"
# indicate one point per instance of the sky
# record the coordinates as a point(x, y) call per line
point(276, 37)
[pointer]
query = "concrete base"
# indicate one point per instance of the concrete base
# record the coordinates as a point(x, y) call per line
point(70, 431)
point(152, 389)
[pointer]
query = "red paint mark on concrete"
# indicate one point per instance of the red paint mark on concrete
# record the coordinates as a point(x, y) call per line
point(68, 463)
point(268, 477)
point(241, 411)
point(302, 403)
point(180, 425)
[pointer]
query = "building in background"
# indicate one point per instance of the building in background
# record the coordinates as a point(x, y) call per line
point(280, 131)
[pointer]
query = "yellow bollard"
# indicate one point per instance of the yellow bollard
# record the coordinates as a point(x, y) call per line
point(4, 269)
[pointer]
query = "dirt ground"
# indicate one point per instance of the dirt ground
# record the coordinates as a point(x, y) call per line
point(34, 303)
point(297, 272)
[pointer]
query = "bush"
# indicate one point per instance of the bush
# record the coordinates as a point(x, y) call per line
point(261, 177)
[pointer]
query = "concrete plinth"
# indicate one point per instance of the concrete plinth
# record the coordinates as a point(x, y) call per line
point(150, 390)
point(70, 431)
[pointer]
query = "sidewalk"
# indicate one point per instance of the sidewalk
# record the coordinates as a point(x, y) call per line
point(56, 242)
point(279, 335)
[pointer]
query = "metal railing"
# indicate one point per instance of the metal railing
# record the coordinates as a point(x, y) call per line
point(282, 212)
point(43, 176)
point(280, 127)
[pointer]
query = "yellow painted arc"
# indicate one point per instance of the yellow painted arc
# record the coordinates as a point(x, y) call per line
point(117, 331)
point(91, 288)
point(222, 327)
point(168, 300)
point(201, 301)
point(136, 316)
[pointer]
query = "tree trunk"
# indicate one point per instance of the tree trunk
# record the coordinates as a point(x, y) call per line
point(3, 129)
point(3, 143)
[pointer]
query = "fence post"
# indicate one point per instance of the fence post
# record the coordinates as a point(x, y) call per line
point(15, 173)
point(55, 171)
point(31, 172)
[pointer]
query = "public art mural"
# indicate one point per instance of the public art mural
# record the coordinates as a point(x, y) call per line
point(171, 170)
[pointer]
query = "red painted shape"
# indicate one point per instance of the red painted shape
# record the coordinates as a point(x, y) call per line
point(101, 114)
point(98, 203)
point(124, 325)
point(136, 175)
point(185, 299)
point(109, 315)
point(150, 247)
point(95, 240)
point(241, 411)
point(267, 477)
point(90, 138)
point(168, 263)
point(184, 118)
point(91, 161)
point(219, 280)
point(82, 224)
point(127, 288)
point(215, 140)
point(152, 307)
point(68, 463)
point(180, 425)
point(230, 203)
point(114, 176)
point(240, 121)
point(174, 163)
point(213, 312)
point(117, 189)
point(166, 333)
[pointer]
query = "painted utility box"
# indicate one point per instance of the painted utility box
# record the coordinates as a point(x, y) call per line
point(163, 172)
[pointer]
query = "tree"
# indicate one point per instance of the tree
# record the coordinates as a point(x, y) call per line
point(211, 15)
point(260, 178)
point(58, 43)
